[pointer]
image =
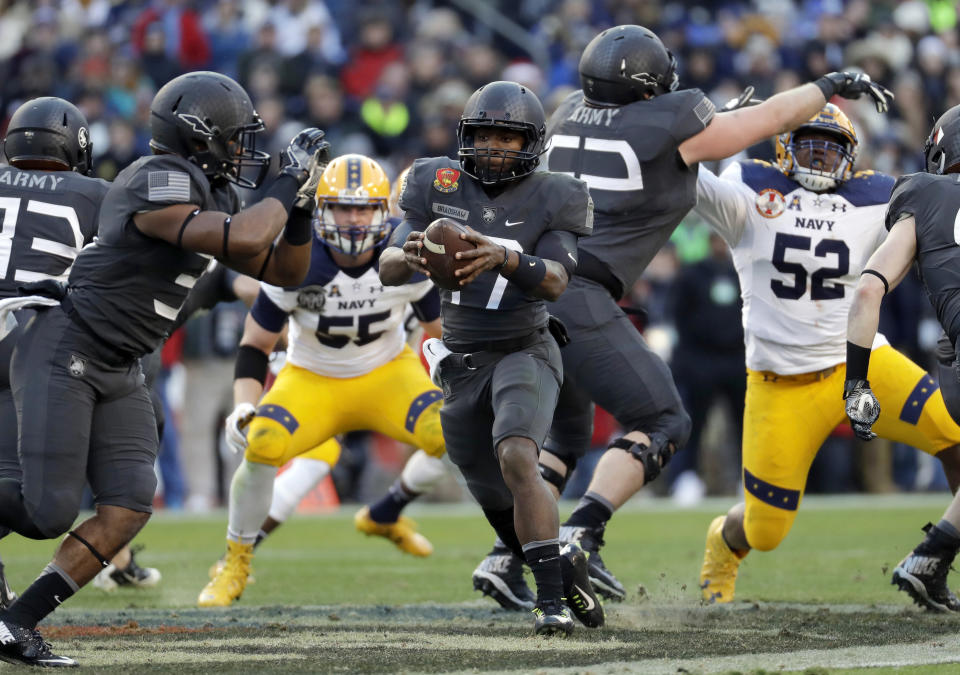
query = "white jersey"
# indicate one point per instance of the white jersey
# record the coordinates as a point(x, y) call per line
point(340, 325)
point(799, 255)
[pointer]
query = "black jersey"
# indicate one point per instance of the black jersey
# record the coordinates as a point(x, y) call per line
point(628, 157)
point(128, 288)
point(46, 217)
point(490, 308)
point(934, 202)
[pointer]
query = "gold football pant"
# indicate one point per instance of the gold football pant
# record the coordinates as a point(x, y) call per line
point(303, 411)
point(788, 417)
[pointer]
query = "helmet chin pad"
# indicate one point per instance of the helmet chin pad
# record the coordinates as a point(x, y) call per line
point(814, 182)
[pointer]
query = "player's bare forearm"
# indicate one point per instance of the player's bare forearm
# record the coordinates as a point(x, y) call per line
point(864, 315)
point(289, 264)
point(246, 390)
point(393, 268)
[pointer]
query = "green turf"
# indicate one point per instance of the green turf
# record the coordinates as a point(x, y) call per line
point(358, 591)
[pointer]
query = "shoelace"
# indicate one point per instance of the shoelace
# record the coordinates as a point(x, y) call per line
point(42, 645)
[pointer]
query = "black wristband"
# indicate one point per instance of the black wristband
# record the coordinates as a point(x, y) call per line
point(284, 189)
point(529, 273)
point(827, 86)
point(299, 227)
point(251, 362)
point(858, 361)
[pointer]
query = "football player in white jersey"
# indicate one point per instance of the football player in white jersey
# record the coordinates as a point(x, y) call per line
point(801, 232)
point(346, 350)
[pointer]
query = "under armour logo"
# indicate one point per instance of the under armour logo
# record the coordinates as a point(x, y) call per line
point(77, 366)
point(841, 207)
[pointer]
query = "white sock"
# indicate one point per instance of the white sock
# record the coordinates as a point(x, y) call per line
point(291, 486)
point(250, 494)
point(422, 472)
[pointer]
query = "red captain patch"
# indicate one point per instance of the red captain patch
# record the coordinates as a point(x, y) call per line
point(770, 203)
point(446, 180)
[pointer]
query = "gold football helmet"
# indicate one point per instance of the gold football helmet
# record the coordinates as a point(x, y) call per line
point(352, 180)
point(827, 163)
point(394, 203)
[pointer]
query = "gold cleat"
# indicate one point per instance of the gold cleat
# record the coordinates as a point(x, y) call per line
point(217, 566)
point(403, 533)
point(229, 582)
point(718, 576)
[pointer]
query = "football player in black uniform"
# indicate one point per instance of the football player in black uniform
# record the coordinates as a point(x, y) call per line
point(83, 409)
point(636, 140)
point(921, 219)
point(503, 371)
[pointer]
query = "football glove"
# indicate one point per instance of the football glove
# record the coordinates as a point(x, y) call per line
point(234, 425)
point(849, 84)
point(862, 407)
point(304, 153)
point(742, 101)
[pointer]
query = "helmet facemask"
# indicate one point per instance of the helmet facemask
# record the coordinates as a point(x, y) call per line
point(491, 165)
point(819, 164)
point(351, 239)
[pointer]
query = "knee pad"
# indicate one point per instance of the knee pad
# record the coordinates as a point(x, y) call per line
point(328, 451)
point(267, 442)
point(654, 456)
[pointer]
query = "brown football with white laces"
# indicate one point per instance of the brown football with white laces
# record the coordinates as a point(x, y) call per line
point(441, 243)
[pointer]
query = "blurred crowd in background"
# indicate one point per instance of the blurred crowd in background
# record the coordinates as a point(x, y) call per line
point(389, 79)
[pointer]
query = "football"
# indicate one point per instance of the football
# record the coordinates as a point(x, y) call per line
point(441, 242)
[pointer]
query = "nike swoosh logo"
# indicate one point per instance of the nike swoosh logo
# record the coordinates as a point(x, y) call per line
point(533, 264)
point(509, 224)
point(570, 255)
point(587, 600)
point(57, 598)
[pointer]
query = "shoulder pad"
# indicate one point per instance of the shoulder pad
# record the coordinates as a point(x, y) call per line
point(867, 188)
point(759, 175)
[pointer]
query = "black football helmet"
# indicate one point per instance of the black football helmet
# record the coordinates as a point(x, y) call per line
point(209, 119)
point(624, 64)
point(49, 129)
point(942, 148)
point(505, 105)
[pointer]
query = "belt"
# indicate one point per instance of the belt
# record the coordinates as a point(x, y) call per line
point(815, 376)
point(476, 355)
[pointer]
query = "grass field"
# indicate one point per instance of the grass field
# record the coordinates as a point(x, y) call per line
point(327, 599)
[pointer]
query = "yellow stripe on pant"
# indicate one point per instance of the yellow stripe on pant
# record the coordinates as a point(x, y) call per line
point(788, 417)
point(303, 411)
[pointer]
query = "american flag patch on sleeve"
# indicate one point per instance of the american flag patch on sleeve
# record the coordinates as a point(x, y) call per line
point(168, 186)
point(704, 110)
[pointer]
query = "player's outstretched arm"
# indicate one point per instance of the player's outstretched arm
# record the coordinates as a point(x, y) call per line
point(730, 132)
point(885, 269)
point(398, 262)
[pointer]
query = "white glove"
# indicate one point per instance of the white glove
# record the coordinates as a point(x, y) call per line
point(235, 423)
point(435, 351)
point(862, 408)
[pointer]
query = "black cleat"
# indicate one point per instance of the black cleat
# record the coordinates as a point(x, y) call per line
point(6, 595)
point(923, 576)
point(577, 589)
point(500, 576)
point(590, 540)
point(552, 618)
point(26, 647)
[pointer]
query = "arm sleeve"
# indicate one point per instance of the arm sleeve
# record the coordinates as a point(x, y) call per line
point(576, 213)
point(559, 246)
point(266, 313)
point(724, 202)
point(427, 308)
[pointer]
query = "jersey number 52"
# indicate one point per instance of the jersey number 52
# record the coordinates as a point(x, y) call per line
point(819, 288)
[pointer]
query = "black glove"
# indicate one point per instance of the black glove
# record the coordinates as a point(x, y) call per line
point(303, 153)
point(862, 407)
point(854, 85)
